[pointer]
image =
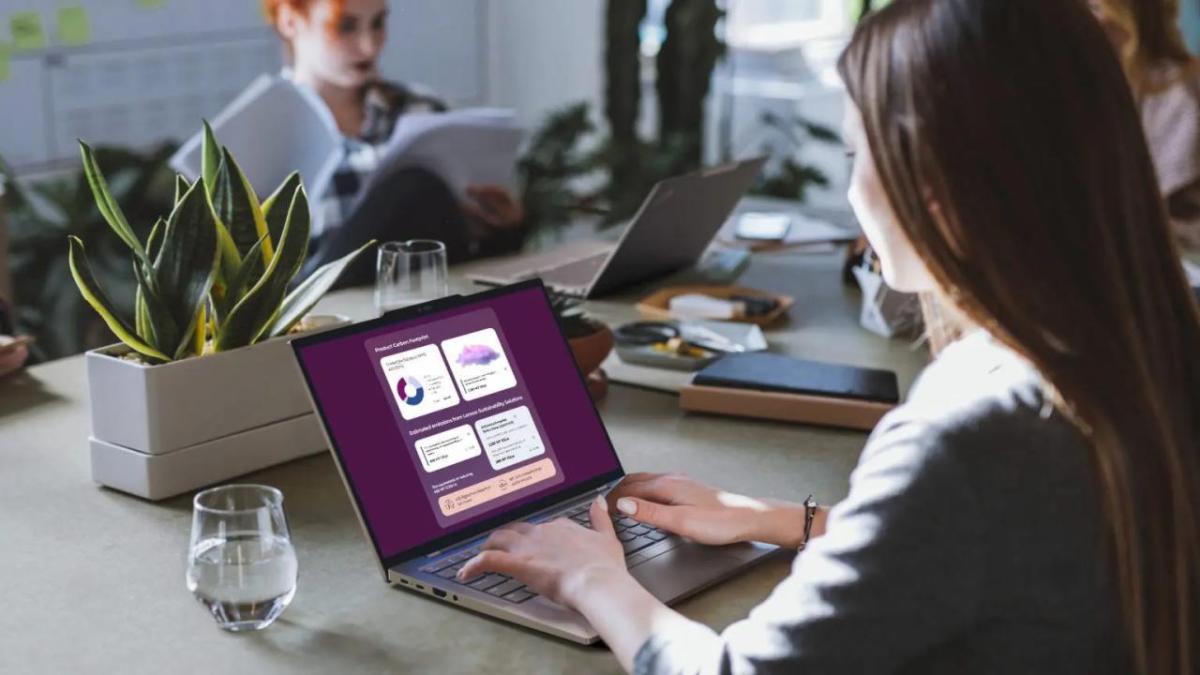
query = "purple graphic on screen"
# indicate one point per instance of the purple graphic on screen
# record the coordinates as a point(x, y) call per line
point(477, 355)
point(410, 391)
point(394, 496)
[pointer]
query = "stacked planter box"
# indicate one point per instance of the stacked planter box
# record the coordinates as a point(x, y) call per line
point(159, 431)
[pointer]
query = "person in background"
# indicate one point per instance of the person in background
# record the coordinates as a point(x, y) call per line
point(333, 47)
point(1034, 505)
point(1165, 78)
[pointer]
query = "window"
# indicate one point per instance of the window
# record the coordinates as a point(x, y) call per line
point(761, 24)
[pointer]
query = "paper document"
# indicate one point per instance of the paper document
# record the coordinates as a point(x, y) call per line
point(463, 147)
point(273, 128)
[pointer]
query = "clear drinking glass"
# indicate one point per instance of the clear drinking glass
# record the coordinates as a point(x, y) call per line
point(410, 273)
point(241, 564)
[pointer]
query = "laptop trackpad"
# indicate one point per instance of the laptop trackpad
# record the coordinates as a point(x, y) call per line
point(684, 570)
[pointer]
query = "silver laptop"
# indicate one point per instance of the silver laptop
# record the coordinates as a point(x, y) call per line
point(672, 229)
point(450, 419)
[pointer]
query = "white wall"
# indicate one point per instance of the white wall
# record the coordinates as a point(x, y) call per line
point(544, 54)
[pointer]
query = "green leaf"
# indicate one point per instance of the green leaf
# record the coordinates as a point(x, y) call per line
point(237, 207)
point(150, 319)
point(141, 314)
point(276, 217)
point(154, 322)
point(109, 209)
point(210, 158)
point(181, 187)
point(251, 318)
point(187, 264)
point(81, 272)
point(154, 241)
point(200, 333)
point(307, 294)
point(246, 272)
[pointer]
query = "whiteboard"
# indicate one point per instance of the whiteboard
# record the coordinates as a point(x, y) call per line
point(150, 70)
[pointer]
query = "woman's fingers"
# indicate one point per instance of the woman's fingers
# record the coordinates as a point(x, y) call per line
point(503, 539)
point(654, 489)
point(599, 515)
point(520, 527)
point(501, 562)
point(494, 205)
point(671, 518)
point(640, 476)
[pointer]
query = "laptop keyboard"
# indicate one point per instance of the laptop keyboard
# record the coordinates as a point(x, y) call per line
point(640, 541)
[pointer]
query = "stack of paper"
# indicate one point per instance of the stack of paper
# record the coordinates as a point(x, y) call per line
point(275, 127)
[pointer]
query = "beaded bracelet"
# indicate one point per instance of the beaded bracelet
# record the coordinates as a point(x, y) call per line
point(810, 513)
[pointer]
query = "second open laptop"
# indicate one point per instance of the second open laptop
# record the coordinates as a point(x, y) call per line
point(672, 229)
point(451, 419)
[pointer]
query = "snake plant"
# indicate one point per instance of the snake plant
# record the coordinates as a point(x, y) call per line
point(214, 275)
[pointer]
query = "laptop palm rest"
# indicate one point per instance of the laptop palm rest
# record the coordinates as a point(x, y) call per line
point(690, 568)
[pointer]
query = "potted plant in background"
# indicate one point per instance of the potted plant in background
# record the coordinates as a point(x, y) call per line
point(199, 389)
point(591, 341)
point(45, 210)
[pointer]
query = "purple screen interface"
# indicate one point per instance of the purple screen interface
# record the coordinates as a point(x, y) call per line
point(445, 420)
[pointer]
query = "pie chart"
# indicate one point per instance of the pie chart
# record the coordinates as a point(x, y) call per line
point(410, 391)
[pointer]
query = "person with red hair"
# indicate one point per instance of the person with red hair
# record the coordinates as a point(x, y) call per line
point(333, 47)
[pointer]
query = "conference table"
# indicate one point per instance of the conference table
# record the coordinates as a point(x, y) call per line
point(93, 580)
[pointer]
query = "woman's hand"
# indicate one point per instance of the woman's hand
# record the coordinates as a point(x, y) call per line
point(494, 206)
point(559, 559)
point(707, 515)
point(13, 354)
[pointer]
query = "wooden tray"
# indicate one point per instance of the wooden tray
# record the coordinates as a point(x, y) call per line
point(655, 306)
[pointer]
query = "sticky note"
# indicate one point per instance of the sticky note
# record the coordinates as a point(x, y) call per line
point(27, 31)
point(74, 26)
point(5, 68)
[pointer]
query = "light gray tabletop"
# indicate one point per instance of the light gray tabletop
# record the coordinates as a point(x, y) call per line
point(92, 580)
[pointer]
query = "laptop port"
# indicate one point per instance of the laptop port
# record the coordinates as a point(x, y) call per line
point(439, 592)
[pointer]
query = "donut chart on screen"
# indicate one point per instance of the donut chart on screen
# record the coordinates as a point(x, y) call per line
point(409, 389)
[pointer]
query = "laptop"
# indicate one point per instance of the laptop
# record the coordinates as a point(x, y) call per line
point(671, 230)
point(452, 418)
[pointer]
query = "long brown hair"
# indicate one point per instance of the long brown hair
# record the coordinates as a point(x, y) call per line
point(1015, 119)
point(1154, 37)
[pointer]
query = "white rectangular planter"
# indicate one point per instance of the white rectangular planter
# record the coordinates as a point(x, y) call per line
point(161, 430)
point(168, 474)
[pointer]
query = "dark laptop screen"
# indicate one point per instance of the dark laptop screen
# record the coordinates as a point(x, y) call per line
point(445, 421)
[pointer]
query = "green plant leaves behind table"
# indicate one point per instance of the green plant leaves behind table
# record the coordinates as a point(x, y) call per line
point(212, 276)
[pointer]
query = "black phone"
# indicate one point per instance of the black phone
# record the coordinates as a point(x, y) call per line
point(777, 373)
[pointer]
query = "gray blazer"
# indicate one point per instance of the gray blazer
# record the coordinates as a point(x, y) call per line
point(971, 541)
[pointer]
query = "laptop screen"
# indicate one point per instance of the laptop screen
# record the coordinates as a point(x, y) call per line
point(452, 418)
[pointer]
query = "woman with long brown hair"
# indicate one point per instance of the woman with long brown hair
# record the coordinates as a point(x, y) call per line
point(1034, 507)
point(1166, 84)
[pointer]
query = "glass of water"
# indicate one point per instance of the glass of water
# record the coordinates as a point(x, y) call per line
point(241, 564)
point(410, 273)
